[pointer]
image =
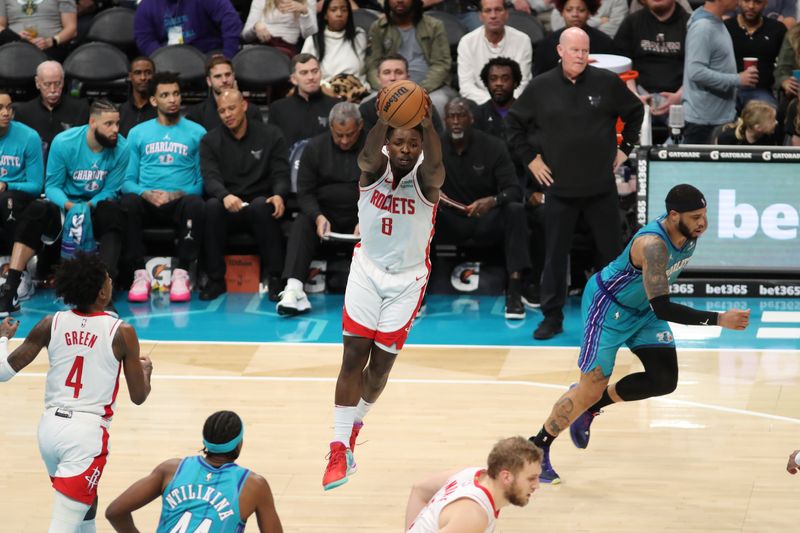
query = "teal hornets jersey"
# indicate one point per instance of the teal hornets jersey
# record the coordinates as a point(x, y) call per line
point(77, 174)
point(624, 281)
point(21, 160)
point(202, 498)
point(164, 158)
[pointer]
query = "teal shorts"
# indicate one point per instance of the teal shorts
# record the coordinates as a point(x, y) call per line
point(608, 325)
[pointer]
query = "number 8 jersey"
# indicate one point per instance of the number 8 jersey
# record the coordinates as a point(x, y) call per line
point(396, 221)
point(84, 374)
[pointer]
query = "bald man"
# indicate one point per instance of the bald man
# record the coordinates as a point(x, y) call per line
point(52, 111)
point(563, 127)
point(245, 168)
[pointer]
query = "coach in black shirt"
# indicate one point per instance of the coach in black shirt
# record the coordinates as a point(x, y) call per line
point(243, 162)
point(481, 176)
point(52, 111)
point(305, 113)
point(572, 112)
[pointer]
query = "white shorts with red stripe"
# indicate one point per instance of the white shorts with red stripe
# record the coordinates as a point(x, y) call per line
point(74, 447)
point(381, 305)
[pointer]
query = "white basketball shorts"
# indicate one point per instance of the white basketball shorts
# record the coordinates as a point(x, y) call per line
point(381, 305)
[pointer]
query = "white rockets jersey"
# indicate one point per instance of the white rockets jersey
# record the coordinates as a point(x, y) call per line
point(460, 485)
point(84, 374)
point(396, 223)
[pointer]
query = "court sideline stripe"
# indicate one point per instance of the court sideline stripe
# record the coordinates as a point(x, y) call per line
point(416, 381)
point(449, 346)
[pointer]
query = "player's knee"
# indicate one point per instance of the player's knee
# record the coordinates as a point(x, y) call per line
point(354, 361)
point(67, 513)
point(665, 384)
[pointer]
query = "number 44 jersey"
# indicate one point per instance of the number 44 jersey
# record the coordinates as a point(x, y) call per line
point(84, 374)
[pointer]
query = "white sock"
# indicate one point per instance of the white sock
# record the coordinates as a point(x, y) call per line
point(294, 284)
point(343, 418)
point(362, 409)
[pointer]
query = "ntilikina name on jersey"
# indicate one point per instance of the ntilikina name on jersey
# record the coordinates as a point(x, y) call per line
point(192, 492)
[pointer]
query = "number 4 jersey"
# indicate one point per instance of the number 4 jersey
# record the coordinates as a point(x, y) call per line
point(396, 222)
point(84, 374)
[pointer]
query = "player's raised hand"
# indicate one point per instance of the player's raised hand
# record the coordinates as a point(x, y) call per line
point(8, 327)
point(791, 466)
point(734, 319)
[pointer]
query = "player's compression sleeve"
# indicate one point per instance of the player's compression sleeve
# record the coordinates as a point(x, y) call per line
point(6, 372)
point(681, 314)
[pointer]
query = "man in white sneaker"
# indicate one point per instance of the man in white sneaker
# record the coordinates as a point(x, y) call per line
point(163, 186)
point(327, 191)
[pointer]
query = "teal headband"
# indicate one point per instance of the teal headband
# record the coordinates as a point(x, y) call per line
point(224, 447)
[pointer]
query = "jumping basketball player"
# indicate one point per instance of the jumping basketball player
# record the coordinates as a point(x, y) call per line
point(401, 174)
point(628, 303)
point(211, 493)
point(87, 349)
point(469, 501)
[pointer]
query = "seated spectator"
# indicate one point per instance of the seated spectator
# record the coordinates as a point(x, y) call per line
point(754, 35)
point(52, 111)
point(710, 78)
point(391, 68)
point(137, 108)
point(340, 46)
point(219, 77)
point(576, 13)
point(792, 124)
point(303, 114)
point(86, 166)
point(208, 25)
point(784, 11)
point(418, 37)
point(755, 127)
point(280, 24)
point(468, 11)
point(327, 191)
point(481, 176)
point(788, 61)
point(493, 39)
point(654, 39)
point(21, 175)
point(502, 75)
point(49, 25)
point(245, 170)
point(609, 16)
point(163, 186)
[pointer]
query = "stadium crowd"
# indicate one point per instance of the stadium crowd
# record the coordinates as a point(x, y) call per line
point(80, 172)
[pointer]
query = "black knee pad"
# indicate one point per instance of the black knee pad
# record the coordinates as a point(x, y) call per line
point(661, 367)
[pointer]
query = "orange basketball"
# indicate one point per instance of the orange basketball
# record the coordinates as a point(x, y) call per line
point(402, 104)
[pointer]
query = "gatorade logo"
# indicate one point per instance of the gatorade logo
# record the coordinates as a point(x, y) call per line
point(396, 96)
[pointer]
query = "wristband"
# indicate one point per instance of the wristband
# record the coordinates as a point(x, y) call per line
point(6, 372)
point(56, 40)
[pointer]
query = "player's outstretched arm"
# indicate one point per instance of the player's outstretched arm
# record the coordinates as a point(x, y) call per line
point(25, 353)
point(422, 492)
point(138, 368)
point(120, 512)
point(266, 515)
point(651, 252)
point(371, 160)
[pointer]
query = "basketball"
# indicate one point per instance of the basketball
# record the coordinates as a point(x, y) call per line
point(402, 104)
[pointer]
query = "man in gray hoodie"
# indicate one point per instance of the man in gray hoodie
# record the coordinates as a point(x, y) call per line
point(710, 79)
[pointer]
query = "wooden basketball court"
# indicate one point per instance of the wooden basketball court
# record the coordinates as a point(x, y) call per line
point(709, 458)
